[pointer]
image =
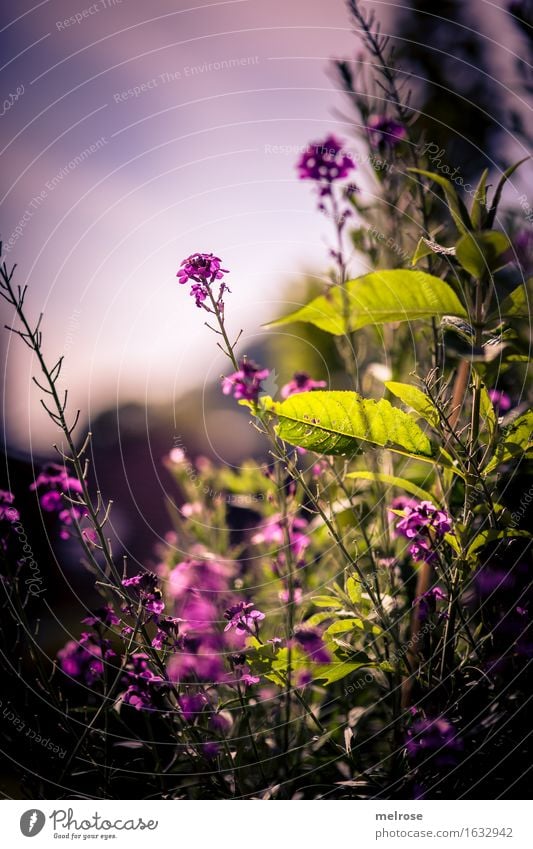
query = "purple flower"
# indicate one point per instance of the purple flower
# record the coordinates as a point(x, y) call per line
point(137, 698)
point(385, 132)
point(500, 400)
point(142, 684)
point(325, 161)
point(428, 600)
point(247, 678)
point(301, 382)
point(192, 705)
point(310, 639)
point(437, 737)
point(423, 525)
point(7, 512)
point(55, 479)
point(272, 532)
point(167, 633)
point(244, 618)
point(202, 270)
point(83, 660)
point(245, 384)
point(145, 584)
point(103, 616)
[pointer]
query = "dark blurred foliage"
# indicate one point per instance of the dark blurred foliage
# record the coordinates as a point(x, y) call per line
point(460, 105)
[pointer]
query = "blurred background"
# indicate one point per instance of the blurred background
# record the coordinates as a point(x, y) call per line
point(134, 135)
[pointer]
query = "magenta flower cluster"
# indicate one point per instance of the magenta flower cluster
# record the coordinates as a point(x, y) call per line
point(423, 525)
point(384, 132)
point(8, 513)
point(245, 384)
point(244, 618)
point(84, 660)
point(325, 161)
point(202, 271)
point(52, 484)
point(301, 382)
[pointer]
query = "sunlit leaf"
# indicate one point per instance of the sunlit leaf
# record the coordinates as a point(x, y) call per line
point(416, 399)
point(378, 298)
point(338, 422)
point(400, 483)
point(480, 253)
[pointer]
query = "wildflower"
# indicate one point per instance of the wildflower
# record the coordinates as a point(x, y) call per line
point(385, 132)
point(149, 593)
point(143, 684)
point(68, 517)
point(177, 456)
point(301, 382)
point(273, 532)
point(245, 384)
point(436, 737)
point(310, 639)
point(500, 400)
point(427, 601)
point(136, 698)
point(297, 595)
point(7, 512)
point(325, 161)
point(83, 660)
point(167, 632)
point(103, 616)
point(52, 483)
point(244, 618)
point(423, 525)
point(200, 659)
point(192, 705)
point(247, 678)
point(221, 722)
point(202, 270)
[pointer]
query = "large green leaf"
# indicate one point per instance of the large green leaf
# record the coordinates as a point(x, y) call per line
point(338, 422)
point(378, 298)
point(516, 442)
point(399, 483)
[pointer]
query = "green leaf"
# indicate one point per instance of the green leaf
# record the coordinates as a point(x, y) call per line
point(492, 535)
point(400, 483)
point(517, 304)
point(378, 298)
point(416, 399)
point(479, 202)
point(343, 626)
point(456, 206)
point(422, 249)
point(488, 412)
point(331, 672)
point(353, 589)
point(338, 422)
point(516, 442)
point(498, 193)
point(326, 601)
point(482, 252)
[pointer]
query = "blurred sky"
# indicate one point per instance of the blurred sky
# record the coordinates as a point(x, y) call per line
point(185, 165)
